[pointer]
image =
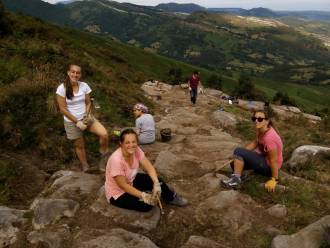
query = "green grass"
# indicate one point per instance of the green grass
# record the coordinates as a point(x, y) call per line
point(308, 97)
point(305, 202)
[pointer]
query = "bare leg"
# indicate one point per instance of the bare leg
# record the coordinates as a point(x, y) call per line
point(79, 146)
point(238, 166)
point(98, 129)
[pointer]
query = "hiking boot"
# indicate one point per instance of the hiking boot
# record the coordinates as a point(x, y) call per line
point(178, 201)
point(233, 182)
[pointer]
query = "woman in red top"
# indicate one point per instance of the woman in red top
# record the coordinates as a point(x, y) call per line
point(193, 82)
point(263, 155)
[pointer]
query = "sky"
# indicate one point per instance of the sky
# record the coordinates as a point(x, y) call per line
point(246, 4)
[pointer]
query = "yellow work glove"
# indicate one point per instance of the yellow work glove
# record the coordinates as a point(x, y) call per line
point(271, 184)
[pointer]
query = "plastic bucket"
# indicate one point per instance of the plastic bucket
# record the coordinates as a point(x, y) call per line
point(166, 134)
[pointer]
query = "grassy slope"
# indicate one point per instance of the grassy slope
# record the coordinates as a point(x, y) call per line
point(34, 61)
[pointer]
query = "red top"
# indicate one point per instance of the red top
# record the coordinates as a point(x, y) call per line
point(193, 81)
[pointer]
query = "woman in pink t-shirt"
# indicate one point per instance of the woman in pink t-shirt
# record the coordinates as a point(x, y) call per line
point(263, 155)
point(125, 187)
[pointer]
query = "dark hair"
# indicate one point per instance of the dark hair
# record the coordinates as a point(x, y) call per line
point(125, 132)
point(196, 72)
point(67, 83)
point(267, 111)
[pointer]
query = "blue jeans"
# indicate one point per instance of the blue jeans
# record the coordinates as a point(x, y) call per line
point(252, 161)
point(193, 95)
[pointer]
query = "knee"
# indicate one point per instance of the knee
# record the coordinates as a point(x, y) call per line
point(239, 151)
point(79, 145)
point(104, 136)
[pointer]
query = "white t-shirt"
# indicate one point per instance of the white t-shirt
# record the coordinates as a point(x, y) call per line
point(77, 105)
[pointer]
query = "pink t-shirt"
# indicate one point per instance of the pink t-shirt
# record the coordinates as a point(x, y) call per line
point(271, 141)
point(117, 166)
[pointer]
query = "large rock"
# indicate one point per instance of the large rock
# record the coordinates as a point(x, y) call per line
point(251, 105)
point(116, 238)
point(211, 148)
point(312, 117)
point(170, 166)
point(224, 119)
point(146, 220)
point(52, 238)
point(73, 185)
point(47, 211)
point(303, 153)
point(201, 242)
point(209, 184)
point(10, 220)
point(278, 211)
point(309, 237)
point(230, 210)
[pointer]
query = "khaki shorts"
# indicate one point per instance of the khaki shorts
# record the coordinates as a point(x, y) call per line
point(73, 132)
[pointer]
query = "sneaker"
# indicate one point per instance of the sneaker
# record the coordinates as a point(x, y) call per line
point(178, 201)
point(233, 182)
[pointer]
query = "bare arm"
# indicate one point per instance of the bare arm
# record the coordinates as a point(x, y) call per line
point(64, 109)
point(251, 146)
point(272, 158)
point(88, 103)
point(122, 183)
point(150, 169)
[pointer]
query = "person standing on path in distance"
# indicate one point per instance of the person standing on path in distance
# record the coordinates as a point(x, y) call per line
point(263, 155)
point(145, 124)
point(125, 187)
point(75, 104)
point(193, 82)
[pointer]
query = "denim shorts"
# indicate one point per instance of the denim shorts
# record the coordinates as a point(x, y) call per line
point(252, 161)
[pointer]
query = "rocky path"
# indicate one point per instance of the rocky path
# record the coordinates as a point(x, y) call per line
point(72, 210)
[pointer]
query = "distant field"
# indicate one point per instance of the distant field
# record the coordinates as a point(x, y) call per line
point(309, 97)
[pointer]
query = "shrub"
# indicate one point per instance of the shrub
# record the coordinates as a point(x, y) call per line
point(215, 81)
point(283, 99)
point(246, 89)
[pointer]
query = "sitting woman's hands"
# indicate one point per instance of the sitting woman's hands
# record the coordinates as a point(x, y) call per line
point(81, 125)
point(157, 190)
point(148, 199)
point(270, 185)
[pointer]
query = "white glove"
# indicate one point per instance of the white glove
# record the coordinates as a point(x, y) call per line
point(157, 190)
point(87, 120)
point(148, 199)
point(81, 125)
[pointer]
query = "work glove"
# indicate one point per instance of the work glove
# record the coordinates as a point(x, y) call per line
point(148, 199)
point(81, 125)
point(87, 120)
point(157, 190)
point(270, 185)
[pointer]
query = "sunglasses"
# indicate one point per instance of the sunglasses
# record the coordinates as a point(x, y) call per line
point(260, 119)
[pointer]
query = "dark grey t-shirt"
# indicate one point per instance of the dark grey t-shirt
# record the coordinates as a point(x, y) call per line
point(146, 126)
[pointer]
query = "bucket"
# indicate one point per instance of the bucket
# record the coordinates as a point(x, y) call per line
point(165, 134)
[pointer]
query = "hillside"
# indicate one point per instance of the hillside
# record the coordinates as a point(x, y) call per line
point(215, 41)
point(176, 7)
point(33, 62)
